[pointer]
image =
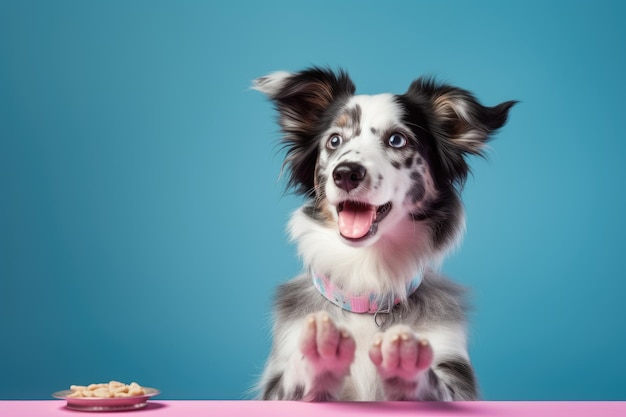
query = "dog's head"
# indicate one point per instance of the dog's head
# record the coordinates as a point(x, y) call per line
point(374, 164)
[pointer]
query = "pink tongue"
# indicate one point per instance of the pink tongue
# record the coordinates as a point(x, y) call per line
point(355, 220)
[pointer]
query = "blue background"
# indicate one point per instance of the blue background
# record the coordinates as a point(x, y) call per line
point(142, 216)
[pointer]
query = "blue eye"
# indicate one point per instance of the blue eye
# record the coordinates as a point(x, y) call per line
point(397, 140)
point(334, 142)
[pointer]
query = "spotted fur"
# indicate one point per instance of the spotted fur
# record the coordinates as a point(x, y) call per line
point(403, 157)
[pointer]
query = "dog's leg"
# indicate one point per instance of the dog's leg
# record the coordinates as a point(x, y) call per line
point(316, 368)
point(327, 353)
point(405, 366)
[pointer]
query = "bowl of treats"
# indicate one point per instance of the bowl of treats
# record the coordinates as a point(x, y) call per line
point(108, 396)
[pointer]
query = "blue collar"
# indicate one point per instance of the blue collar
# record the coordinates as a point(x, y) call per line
point(366, 303)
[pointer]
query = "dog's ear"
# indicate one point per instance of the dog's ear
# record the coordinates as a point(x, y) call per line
point(461, 124)
point(302, 100)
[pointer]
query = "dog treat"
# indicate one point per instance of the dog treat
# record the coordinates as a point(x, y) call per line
point(113, 389)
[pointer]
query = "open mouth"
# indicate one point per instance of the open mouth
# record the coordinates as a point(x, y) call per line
point(358, 220)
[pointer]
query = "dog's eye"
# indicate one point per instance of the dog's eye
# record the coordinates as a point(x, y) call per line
point(397, 140)
point(334, 142)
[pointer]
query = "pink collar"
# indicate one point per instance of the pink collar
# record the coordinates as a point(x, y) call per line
point(367, 303)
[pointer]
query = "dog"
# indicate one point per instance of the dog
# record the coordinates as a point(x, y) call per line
point(370, 318)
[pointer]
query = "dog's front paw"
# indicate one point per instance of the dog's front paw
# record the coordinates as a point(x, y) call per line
point(327, 348)
point(400, 354)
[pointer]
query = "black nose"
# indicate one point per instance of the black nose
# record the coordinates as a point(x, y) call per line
point(348, 175)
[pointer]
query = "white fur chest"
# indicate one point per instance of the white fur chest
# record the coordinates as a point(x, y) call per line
point(362, 383)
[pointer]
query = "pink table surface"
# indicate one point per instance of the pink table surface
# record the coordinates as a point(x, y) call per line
point(156, 408)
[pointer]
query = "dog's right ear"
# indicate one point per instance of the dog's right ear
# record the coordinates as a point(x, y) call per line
point(271, 84)
point(301, 100)
point(302, 97)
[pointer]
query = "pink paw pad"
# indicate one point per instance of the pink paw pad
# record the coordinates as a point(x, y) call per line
point(326, 347)
point(400, 353)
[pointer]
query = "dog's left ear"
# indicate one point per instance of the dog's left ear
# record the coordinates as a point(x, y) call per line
point(461, 124)
point(301, 100)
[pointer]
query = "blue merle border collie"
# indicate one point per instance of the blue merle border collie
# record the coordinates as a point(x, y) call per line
point(370, 318)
